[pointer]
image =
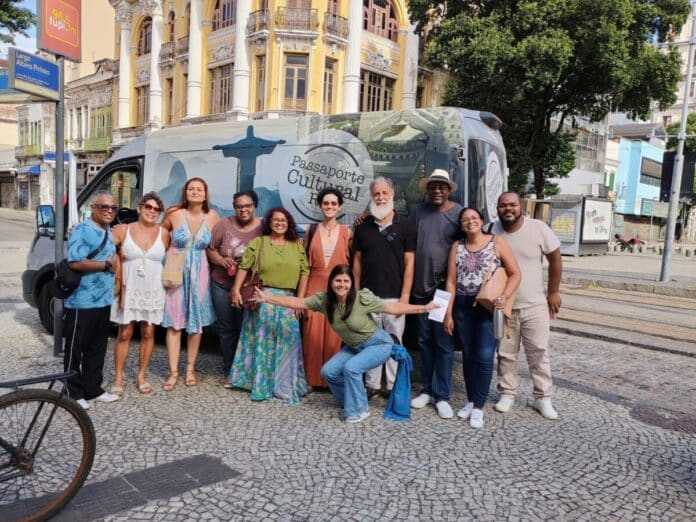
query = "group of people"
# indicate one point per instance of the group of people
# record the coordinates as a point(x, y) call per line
point(332, 306)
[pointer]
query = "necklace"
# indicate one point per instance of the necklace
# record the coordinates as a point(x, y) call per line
point(329, 230)
point(277, 250)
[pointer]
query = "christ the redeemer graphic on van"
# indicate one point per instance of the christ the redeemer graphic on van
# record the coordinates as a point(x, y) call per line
point(247, 150)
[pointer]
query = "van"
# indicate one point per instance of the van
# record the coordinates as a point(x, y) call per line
point(287, 162)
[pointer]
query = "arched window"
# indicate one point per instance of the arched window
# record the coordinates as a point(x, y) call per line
point(145, 38)
point(170, 26)
point(379, 17)
point(224, 14)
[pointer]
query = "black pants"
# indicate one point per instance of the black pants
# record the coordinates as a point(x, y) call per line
point(86, 333)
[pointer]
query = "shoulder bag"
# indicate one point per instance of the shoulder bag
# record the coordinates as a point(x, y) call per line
point(252, 281)
point(492, 287)
point(67, 279)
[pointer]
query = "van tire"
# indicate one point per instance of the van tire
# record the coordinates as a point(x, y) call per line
point(45, 306)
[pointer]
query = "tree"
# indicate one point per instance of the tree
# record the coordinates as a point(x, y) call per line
point(15, 20)
point(539, 63)
point(673, 130)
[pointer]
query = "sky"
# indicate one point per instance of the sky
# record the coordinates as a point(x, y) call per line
point(22, 42)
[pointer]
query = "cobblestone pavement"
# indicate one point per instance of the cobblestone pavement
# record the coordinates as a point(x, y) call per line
point(623, 449)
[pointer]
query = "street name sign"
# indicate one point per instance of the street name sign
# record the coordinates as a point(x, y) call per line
point(8, 95)
point(58, 29)
point(34, 75)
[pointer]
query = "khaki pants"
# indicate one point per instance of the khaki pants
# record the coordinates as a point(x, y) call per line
point(392, 325)
point(531, 327)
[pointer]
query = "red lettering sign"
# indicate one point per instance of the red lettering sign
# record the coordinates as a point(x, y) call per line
point(58, 30)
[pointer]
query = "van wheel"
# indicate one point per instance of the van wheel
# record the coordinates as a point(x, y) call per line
point(46, 308)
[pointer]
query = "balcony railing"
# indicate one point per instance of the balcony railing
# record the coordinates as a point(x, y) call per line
point(297, 18)
point(335, 25)
point(258, 21)
point(27, 151)
point(182, 46)
point(97, 143)
point(223, 17)
point(167, 52)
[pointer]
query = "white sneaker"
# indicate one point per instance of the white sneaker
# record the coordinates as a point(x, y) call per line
point(505, 403)
point(444, 410)
point(358, 418)
point(465, 412)
point(421, 401)
point(83, 403)
point(107, 397)
point(476, 419)
point(545, 407)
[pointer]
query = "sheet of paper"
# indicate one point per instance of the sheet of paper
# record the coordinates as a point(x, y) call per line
point(441, 298)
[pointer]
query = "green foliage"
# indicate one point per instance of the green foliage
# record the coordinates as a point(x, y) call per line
point(530, 61)
point(673, 130)
point(14, 19)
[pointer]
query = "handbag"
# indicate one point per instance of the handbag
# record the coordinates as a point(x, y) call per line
point(251, 282)
point(173, 271)
point(493, 286)
point(67, 279)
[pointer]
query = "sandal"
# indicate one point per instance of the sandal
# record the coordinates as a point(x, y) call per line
point(170, 383)
point(190, 376)
point(116, 390)
point(144, 387)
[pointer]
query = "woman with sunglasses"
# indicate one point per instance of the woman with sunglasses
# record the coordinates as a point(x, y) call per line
point(327, 245)
point(141, 246)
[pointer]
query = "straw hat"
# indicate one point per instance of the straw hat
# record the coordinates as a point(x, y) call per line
point(438, 175)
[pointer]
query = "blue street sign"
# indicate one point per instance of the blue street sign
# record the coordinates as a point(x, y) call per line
point(8, 95)
point(32, 74)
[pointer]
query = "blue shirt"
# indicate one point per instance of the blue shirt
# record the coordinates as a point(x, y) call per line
point(96, 289)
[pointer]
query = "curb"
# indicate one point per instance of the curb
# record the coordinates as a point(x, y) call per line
point(633, 286)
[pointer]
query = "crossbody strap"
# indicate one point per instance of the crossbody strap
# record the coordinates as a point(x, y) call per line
point(96, 251)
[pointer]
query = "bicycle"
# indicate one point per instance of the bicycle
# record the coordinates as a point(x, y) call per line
point(47, 446)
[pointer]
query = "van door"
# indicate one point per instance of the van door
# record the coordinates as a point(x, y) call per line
point(122, 181)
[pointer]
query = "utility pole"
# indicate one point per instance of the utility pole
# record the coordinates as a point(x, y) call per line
point(59, 206)
point(678, 159)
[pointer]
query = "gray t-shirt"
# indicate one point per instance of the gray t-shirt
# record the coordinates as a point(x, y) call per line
point(530, 244)
point(436, 232)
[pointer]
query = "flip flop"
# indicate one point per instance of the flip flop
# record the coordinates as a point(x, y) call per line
point(116, 390)
point(145, 388)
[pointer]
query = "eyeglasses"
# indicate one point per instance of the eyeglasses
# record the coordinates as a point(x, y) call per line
point(329, 203)
point(443, 187)
point(244, 207)
point(105, 208)
point(470, 220)
point(153, 208)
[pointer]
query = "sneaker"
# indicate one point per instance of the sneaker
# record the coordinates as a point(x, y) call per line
point(358, 418)
point(107, 397)
point(444, 410)
point(421, 401)
point(465, 412)
point(83, 403)
point(476, 419)
point(546, 409)
point(505, 403)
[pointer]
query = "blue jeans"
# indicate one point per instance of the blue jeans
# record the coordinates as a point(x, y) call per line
point(229, 322)
point(473, 330)
point(436, 358)
point(344, 371)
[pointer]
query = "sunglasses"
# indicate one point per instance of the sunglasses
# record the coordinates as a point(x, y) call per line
point(154, 208)
point(105, 208)
point(329, 203)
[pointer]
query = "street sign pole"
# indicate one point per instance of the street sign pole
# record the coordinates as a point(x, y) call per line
point(678, 160)
point(59, 206)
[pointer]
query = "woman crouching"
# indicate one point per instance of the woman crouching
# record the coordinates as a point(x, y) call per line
point(365, 345)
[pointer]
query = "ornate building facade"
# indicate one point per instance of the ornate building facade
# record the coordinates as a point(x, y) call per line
point(190, 61)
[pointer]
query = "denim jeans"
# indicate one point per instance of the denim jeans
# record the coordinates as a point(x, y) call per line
point(473, 331)
point(436, 357)
point(344, 371)
point(229, 322)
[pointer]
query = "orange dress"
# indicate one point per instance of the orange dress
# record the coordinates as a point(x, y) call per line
point(319, 341)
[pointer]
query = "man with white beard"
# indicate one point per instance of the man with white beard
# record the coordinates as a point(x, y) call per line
point(384, 247)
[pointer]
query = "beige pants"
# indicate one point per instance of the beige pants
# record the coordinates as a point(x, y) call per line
point(530, 326)
point(392, 325)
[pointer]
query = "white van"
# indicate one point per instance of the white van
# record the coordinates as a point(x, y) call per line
point(287, 162)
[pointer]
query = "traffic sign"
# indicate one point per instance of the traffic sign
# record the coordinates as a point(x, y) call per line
point(32, 74)
point(8, 95)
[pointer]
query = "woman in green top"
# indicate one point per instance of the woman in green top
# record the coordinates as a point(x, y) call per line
point(366, 346)
point(269, 356)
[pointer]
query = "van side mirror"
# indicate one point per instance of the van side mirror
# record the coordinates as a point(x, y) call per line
point(45, 221)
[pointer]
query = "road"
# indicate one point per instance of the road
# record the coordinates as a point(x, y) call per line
point(624, 447)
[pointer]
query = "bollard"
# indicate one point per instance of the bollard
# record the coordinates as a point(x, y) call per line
point(659, 249)
point(688, 253)
point(640, 248)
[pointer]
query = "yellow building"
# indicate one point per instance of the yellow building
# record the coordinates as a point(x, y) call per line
point(192, 61)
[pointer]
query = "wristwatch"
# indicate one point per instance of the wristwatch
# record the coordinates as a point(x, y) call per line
point(107, 266)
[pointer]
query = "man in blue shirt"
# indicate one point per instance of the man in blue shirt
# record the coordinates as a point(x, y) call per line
point(87, 308)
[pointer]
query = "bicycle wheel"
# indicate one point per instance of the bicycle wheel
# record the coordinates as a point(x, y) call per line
point(36, 488)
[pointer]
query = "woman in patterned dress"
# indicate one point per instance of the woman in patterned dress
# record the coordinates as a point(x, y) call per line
point(471, 260)
point(189, 307)
point(268, 361)
point(141, 247)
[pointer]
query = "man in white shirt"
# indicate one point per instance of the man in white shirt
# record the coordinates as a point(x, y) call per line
point(531, 240)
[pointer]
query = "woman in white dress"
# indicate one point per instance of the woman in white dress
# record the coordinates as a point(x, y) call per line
point(141, 246)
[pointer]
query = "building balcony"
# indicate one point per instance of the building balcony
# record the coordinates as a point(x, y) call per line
point(258, 21)
point(182, 46)
point(336, 25)
point(223, 17)
point(167, 53)
point(97, 143)
point(297, 19)
point(28, 151)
